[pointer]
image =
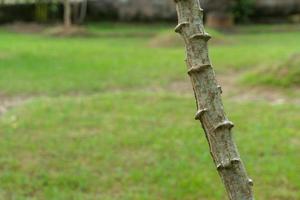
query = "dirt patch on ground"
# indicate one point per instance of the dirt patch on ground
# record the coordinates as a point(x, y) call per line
point(268, 94)
point(125, 35)
point(28, 28)
point(74, 31)
point(234, 91)
point(57, 30)
point(6, 103)
point(166, 40)
point(4, 55)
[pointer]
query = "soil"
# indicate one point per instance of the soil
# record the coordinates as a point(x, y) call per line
point(58, 30)
point(74, 31)
point(7, 103)
point(4, 55)
point(61, 31)
point(232, 90)
point(28, 28)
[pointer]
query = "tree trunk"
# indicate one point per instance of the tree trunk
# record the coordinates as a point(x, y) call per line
point(210, 112)
point(67, 14)
point(83, 10)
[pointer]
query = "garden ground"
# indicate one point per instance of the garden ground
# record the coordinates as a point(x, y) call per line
point(111, 116)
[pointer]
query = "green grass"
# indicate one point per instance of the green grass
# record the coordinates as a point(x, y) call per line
point(57, 66)
point(140, 146)
point(95, 126)
point(47, 65)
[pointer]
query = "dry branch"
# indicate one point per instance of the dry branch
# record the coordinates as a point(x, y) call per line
point(210, 112)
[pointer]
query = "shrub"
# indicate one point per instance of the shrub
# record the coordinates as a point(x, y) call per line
point(242, 10)
point(286, 74)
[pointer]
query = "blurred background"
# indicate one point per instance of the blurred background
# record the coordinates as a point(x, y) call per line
point(95, 101)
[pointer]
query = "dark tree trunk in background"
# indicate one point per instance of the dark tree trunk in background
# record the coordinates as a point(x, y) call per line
point(83, 10)
point(67, 14)
point(210, 110)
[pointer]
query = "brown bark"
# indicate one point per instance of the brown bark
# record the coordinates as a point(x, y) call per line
point(210, 112)
point(67, 14)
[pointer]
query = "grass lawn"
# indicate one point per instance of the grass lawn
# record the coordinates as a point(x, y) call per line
point(100, 122)
point(52, 66)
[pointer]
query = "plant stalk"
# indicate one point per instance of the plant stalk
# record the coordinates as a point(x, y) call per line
point(210, 111)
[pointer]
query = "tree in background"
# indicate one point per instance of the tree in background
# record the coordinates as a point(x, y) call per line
point(83, 10)
point(79, 11)
point(67, 14)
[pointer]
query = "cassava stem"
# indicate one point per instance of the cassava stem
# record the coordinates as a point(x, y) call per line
point(207, 92)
